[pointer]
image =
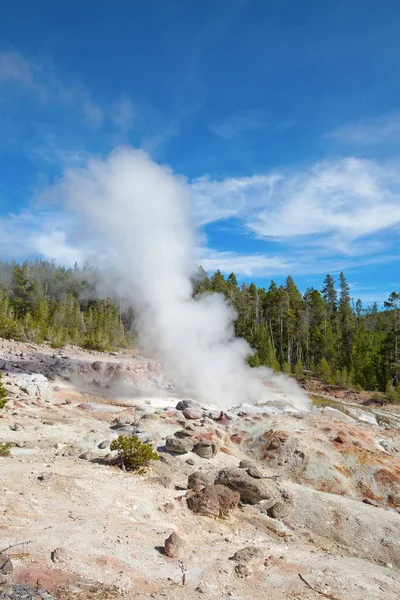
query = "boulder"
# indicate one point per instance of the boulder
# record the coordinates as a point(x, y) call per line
point(192, 413)
point(179, 445)
point(188, 403)
point(279, 510)
point(213, 501)
point(200, 479)
point(173, 546)
point(205, 449)
point(251, 490)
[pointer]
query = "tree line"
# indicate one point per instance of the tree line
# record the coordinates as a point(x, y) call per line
point(40, 301)
point(322, 332)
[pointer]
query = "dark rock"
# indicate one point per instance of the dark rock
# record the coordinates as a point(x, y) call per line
point(97, 365)
point(173, 546)
point(213, 501)
point(191, 462)
point(45, 477)
point(188, 403)
point(104, 445)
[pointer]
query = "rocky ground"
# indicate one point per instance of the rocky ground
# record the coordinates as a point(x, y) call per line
point(254, 503)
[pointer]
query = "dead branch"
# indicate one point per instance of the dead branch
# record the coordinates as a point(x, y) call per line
point(15, 546)
point(316, 590)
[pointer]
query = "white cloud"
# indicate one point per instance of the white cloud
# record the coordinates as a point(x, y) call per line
point(369, 132)
point(231, 197)
point(42, 233)
point(333, 204)
point(242, 264)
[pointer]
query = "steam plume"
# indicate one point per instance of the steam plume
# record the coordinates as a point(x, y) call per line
point(136, 215)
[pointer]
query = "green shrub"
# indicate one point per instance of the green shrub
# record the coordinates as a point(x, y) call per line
point(5, 449)
point(133, 455)
point(3, 394)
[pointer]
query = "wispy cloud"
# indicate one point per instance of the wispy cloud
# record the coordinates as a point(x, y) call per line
point(251, 265)
point(240, 123)
point(247, 123)
point(384, 129)
point(41, 82)
point(333, 205)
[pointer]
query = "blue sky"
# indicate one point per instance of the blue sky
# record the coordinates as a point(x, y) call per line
point(283, 115)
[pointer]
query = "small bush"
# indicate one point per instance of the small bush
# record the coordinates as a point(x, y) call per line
point(3, 394)
point(5, 449)
point(133, 455)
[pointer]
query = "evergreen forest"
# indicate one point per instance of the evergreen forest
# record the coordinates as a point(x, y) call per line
point(321, 332)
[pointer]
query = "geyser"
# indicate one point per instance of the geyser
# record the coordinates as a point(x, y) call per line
point(136, 217)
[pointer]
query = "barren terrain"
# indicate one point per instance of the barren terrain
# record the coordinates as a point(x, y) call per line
point(315, 510)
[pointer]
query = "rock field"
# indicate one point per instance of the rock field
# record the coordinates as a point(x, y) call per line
point(252, 503)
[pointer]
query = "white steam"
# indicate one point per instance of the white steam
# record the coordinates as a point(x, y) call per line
point(136, 215)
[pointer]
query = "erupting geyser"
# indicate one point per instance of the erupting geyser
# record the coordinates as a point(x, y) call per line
point(136, 218)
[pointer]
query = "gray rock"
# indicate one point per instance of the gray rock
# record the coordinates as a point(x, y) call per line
point(188, 403)
point(59, 555)
point(280, 510)
point(104, 445)
point(206, 449)
point(251, 490)
point(184, 433)
point(191, 462)
point(254, 472)
point(200, 479)
point(179, 445)
point(192, 413)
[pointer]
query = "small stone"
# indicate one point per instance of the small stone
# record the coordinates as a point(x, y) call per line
point(6, 566)
point(191, 462)
point(59, 555)
point(173, 546)
point(45, 477)
point(104, 445)
point(168, 507)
